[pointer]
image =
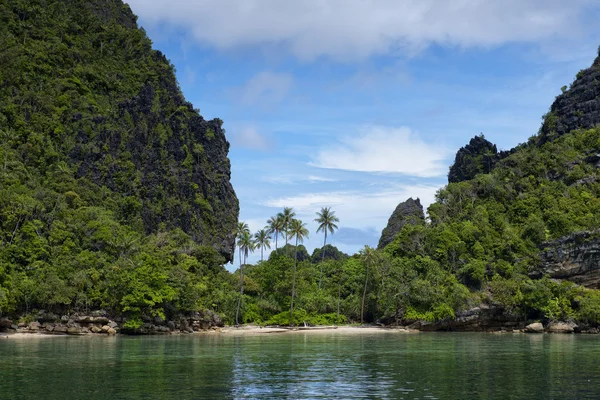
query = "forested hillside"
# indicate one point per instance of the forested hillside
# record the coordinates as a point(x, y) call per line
point(505, 225)
point(114, 191)
point(115, 195)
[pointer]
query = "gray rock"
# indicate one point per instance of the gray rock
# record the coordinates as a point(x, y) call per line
point(561, 327)
point(408, 212)
point(73, 330)
point(34, 326)
point(95, 329)
point(112, 324)
point(59, 328)
point(576, 108)
point(536, 327)
point(575, 258)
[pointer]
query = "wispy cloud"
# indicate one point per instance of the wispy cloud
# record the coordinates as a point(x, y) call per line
point(384, 149)
point(357, 209)
point(354, 29)
point(248, 137)
point(265, 89)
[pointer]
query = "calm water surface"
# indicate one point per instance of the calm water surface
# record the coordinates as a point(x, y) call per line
point(325, 365)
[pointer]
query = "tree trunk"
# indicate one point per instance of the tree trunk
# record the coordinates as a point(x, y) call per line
point(294, 286)
point(237, 311)
point(339, 296)
point(362, 310)
point(322, 260)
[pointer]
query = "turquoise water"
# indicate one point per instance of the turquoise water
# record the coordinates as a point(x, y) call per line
point(293, 366)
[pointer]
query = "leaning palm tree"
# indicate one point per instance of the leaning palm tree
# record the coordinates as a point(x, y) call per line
point(297, 229)
point(262, 240)
point(288, 215)
point(369, 257)
point(327, 223)
point(275, 226)
point(245, 245)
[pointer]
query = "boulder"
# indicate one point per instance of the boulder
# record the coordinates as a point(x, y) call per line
point(5, 323)
point(112, 324)
point(105, 328)
point(536, 327)
point(95, 329)
point(73, 330)
point(34, 326)
point(111, 331)
point(48, 327)
point(561, 327)
point(59, 328)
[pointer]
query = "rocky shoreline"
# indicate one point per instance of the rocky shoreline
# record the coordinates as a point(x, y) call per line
point(100, 322)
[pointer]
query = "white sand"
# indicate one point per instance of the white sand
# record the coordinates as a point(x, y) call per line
point(346, 330)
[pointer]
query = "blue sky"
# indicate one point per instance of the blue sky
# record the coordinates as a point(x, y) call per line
point(358, 105)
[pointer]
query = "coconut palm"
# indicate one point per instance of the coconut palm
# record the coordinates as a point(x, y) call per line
point(288, 215)
point(297, 229)
point(275, 226)
point(327, 223)
point(245, 245)
point(239, 230)
point(369, 257)
point(262, 240)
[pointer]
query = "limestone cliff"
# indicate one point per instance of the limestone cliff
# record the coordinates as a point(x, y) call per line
point(575, 257)
point(82, 92)
point(408, 212)
point(577, 107)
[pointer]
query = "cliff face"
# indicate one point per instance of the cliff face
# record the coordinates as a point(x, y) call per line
point(575, 258)
point(82, 90)
point(577, 107)
point(408, 212)
point(477, 157)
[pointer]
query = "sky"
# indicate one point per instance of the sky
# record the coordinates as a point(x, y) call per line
point(358, 105)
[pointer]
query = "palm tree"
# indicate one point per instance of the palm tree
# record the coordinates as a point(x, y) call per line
point(326, 220)
point(240, 229)
point(297, 229)
point(369, 258)
point(275, 226)
point(246, 245)
point(288, 215)
point(262, 240)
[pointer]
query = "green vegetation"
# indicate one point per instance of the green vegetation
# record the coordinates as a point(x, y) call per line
point(115, 195)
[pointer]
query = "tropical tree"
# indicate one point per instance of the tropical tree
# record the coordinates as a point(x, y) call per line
point(327, 223)
point(297, 229)
point(240, 229)
point(262, 240)
point(275, 226)
point(287, 216)
point(245, 245)
point(369, 258)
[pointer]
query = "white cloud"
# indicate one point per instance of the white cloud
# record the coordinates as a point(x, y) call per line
point(356, 209)
point(384, 149)
point(248, 137)
point(264, 89)
point(351, 29)
point(313, 178)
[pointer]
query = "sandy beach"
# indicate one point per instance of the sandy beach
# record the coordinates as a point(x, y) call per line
point(246, 330)
point(346, 330)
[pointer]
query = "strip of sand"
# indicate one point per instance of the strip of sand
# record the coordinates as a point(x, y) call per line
point(245, 330)
point(346, 330)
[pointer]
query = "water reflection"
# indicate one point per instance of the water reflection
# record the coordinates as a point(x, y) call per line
point(327, 365)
